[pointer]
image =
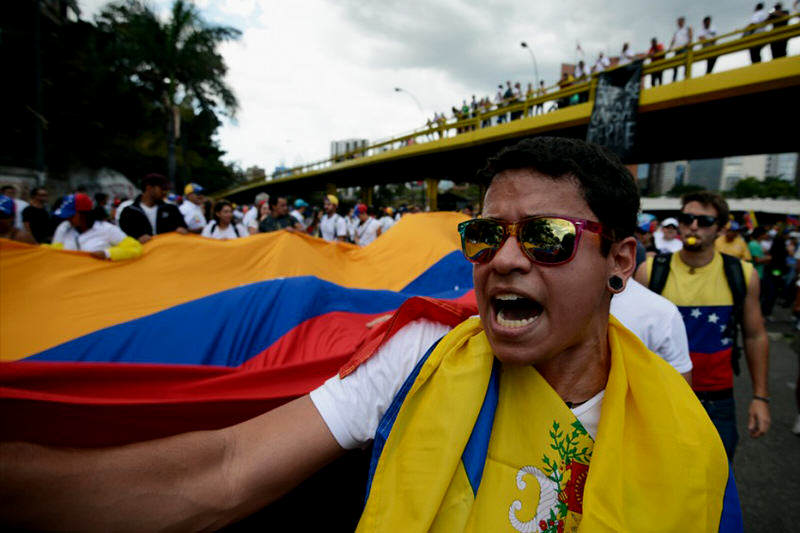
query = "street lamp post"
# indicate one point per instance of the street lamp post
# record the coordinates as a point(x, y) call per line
point(401, 90)
point(524, 45)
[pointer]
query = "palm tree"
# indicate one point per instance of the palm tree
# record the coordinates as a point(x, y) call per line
point(174, 62)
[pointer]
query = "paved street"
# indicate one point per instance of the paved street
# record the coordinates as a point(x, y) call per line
point(768, 469)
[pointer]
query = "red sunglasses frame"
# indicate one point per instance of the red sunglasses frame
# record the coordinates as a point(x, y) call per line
point(514, 228)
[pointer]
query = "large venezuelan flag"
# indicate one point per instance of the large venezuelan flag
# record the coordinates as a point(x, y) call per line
point(199, 333)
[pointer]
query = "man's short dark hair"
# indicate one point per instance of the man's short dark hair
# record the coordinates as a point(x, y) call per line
point(707, 198)
point(273, 200)
point(606, 185)
point(154, 180)
point(4, 188)
point(100, 197)
point(36, 190)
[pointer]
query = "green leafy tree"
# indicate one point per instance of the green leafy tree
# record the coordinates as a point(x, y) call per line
point(748, 187)
point(680, 190)
point(174, 63)
point(775, 187)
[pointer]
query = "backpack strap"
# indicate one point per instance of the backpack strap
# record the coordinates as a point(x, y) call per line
point(235, 230)
point(735, 277)
point(213, 227)
point(659, 272)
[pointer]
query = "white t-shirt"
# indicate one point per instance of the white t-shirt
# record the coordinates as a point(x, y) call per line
point(602, 64)
point(332, 226)
point(757, 18)
point(298, 216)
point(386, 223)
point(250, 219)
point(213, 231)
point(19, 207)
point(625, 57)
point(666, 246)
point(656, 321)
point(151, 212)
point(367, 231)
point(680, 38)
point(100, 237)
point(353, 407)
point(192, 214)
point(707, 34)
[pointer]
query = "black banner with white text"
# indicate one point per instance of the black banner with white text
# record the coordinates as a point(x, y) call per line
point(616, 104)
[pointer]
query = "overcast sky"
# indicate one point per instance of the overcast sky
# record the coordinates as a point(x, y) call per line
point(307, 72)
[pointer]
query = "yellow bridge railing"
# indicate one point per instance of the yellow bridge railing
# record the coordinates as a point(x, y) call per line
point(555, 97)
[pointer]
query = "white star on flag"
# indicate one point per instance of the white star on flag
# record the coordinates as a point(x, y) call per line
point(696, 313)
point(713, 318)
point(725, 342)
point(722, 327)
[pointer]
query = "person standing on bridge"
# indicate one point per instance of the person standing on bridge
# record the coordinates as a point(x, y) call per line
point(715, 294)
point(756, 26)
point(706, 36)
point(655, 53)
point(681, 40)
point(778, 14)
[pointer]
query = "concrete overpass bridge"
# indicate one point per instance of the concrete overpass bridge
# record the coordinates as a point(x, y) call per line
point(749, 110)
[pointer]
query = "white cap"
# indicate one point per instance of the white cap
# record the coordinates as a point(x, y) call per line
point(669, 222)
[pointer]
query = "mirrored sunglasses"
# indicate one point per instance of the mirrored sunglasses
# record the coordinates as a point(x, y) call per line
point(546, 240)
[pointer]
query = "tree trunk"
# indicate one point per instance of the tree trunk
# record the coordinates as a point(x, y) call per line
point(171, 150)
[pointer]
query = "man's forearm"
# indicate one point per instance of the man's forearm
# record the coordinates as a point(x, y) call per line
point(144, 486)
point(194, 481)
point(756, 350)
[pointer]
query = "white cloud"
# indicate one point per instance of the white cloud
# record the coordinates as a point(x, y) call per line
point(242, 8)
point(311, 71)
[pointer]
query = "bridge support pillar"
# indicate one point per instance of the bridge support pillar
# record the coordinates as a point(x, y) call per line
point(431, 193)
point(366, 195)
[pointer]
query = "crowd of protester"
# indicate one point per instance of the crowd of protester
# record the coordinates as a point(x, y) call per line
point(772, 249)
point(683, 39)
point(117, 229)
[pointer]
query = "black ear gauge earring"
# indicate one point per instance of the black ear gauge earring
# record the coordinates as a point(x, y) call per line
point(615, 282)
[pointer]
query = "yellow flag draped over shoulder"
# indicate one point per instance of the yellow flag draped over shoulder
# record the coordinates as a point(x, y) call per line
point(657, 463)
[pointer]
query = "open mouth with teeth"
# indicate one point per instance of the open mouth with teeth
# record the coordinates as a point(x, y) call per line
point(515, 311)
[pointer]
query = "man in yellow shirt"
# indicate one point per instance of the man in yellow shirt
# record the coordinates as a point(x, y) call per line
point(732, 243)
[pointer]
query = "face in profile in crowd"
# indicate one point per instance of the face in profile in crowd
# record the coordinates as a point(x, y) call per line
point(328, 206)
point(156, 191)
point(263, 210)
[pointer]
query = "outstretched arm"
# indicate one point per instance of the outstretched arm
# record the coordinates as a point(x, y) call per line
point(194, 481)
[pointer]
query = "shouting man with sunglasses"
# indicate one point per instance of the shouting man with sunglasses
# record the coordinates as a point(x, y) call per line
point(543, 413)
point(698, 284)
